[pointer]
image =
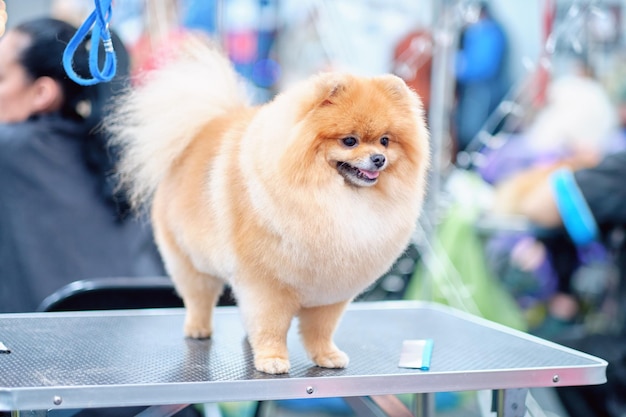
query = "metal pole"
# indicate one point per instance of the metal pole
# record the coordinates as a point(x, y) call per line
point(424, 405)
point(445, 34)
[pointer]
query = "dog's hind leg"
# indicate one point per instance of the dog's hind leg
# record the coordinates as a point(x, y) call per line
point(198, 290)
point(317, 326)
point(200, 293)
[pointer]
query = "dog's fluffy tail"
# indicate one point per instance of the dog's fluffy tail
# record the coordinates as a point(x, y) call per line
point(153, 123)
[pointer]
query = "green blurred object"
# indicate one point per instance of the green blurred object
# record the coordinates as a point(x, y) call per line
point(456, 273)
point(238, 409)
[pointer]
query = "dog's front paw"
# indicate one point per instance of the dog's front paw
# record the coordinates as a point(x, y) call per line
point(275, 365)
point(197, 330)
point(334, 359)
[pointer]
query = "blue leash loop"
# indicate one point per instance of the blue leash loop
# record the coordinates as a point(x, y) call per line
point(99, 20)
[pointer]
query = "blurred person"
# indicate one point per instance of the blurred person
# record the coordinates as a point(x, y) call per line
point(586, 246)
point(590, 204)
point(577, 125)
point(574, 131)
point(481, 72)
point(60, 218)
point(575, 128)
point(578, 117)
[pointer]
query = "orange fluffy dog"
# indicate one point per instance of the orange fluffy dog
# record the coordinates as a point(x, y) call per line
point(299, 204)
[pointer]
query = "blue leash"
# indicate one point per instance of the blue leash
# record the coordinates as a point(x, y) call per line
point(99, 20)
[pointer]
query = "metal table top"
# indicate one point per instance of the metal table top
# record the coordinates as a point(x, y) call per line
point(140, 357)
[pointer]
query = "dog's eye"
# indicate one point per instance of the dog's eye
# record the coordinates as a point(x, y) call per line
point(350, 141)
point(384, 141)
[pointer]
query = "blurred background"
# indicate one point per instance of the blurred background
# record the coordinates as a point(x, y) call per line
point(508, 86)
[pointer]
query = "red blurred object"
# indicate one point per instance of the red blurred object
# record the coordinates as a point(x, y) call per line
point(413, 62)
point(242, 46)
point(542, 74)
point(149, 54)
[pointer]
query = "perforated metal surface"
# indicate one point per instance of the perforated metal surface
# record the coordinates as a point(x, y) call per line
point(141, 357)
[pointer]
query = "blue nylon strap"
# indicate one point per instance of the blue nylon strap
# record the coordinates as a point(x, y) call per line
point(577, 217)
point(99, 20)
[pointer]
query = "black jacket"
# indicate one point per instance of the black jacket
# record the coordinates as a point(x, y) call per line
point(604, 190)
point(55, 225)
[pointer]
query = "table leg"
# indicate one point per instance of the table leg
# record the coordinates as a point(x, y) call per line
point(364, 407)
point(378, 406)
point(424, 405)
point(391, 406)
point(510, 402)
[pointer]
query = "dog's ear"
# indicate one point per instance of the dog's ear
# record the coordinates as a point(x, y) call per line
point(397, 89)
point(395, 86)
point(330, 86)
point(335, 90)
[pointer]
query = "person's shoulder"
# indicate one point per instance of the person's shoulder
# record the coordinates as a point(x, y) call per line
point(21, 134)
point(10, 132)
point(12, 135)
point(17, 140)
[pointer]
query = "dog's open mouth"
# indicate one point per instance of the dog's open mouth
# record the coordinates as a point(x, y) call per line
point(357, 176)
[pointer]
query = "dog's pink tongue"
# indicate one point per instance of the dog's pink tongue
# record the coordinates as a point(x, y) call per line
point(370, 174)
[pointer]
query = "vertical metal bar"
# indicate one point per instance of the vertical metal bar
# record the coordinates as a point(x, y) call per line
point(498, 402)
point(445, 33)
point(364, 407)
point(510, 402)
point(424, 405)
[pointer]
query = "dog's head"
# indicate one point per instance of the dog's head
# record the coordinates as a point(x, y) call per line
point(363, 129)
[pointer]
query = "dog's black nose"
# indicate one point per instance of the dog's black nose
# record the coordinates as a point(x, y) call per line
point(378, 160)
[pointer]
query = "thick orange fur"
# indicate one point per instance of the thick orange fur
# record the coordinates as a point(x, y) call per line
point(253, 197)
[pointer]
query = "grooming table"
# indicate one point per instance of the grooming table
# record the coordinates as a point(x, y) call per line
point(140, 357)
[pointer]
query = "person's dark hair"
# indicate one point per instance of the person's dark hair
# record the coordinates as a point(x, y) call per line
point(43, 57)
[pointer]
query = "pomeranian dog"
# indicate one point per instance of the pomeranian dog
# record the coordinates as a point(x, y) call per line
point(298, 204)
